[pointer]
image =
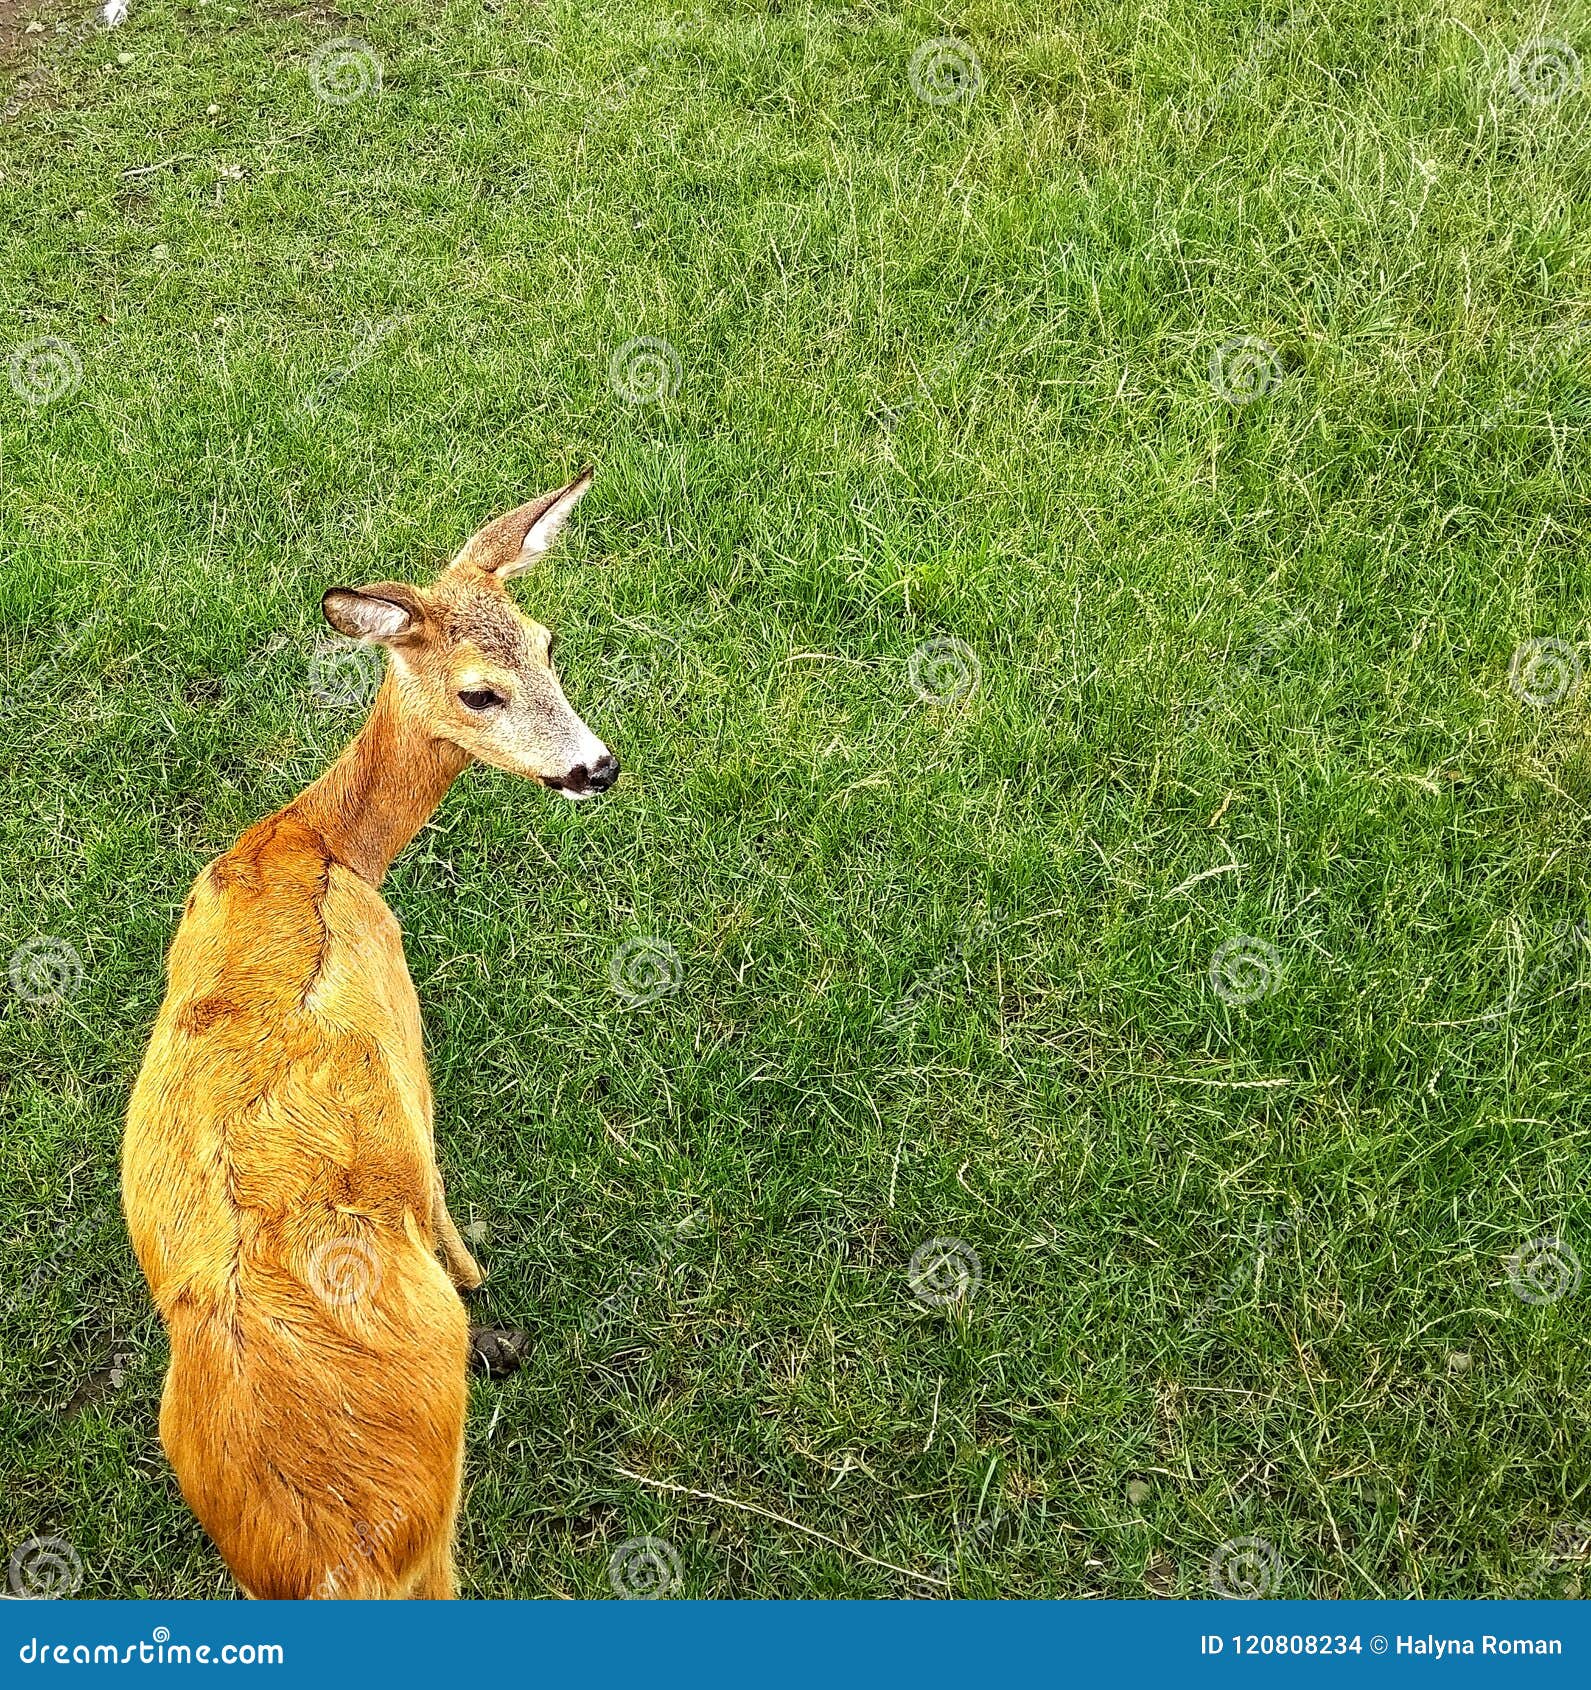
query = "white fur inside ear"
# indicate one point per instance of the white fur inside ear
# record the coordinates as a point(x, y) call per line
point(541, 534)
point(363, 617)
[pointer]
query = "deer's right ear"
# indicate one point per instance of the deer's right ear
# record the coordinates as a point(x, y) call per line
point(380, 615)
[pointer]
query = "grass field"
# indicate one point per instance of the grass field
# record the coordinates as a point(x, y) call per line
point(1074, 508)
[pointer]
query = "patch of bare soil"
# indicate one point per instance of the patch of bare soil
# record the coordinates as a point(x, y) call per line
point(28, 30)
point(15, 36)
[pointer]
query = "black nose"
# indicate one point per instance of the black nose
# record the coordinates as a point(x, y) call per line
point(597, 778)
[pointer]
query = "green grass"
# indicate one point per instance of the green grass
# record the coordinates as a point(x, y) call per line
point(944, 373)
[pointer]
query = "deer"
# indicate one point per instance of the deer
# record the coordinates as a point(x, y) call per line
point(279, 1172)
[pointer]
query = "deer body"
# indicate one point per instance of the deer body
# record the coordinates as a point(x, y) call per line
point(279, 1170)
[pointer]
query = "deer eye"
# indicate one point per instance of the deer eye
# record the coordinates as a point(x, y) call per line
point(481, 698)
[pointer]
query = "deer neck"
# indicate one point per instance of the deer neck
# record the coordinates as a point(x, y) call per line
point(373, 800)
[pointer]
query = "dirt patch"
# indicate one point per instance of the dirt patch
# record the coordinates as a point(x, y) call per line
point(15, 16)
point(34, 33)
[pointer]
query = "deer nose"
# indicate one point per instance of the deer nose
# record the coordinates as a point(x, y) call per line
point(603, 773)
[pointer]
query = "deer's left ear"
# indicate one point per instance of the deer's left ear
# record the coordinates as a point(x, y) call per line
point(502, 549)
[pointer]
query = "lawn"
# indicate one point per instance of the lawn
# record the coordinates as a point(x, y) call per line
point(1060, 1070)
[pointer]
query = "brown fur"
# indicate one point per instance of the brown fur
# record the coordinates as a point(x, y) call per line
point(279, 1170)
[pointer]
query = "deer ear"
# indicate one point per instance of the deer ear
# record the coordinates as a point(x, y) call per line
point(511, 544)
point(381, 615)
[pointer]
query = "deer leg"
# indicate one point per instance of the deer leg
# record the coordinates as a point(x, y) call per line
point(462, 1267)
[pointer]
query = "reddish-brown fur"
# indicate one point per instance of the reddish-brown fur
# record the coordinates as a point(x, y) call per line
point(279, 1170)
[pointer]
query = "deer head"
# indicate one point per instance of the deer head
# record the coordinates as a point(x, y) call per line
point(471, 668)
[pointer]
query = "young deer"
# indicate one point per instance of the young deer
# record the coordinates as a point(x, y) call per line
point(279, 1171)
